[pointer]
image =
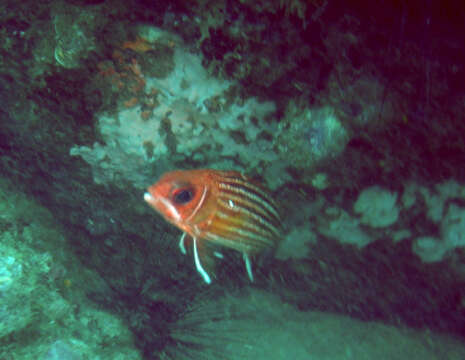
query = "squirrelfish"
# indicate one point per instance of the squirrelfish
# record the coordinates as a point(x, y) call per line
point(225, 208)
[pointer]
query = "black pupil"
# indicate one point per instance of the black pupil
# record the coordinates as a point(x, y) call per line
point(183, 196)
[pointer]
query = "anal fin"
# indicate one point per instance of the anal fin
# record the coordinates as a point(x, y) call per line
point(248, 266)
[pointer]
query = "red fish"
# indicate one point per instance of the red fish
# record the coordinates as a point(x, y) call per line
point(225, 208)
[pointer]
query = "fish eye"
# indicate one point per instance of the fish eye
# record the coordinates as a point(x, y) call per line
point(183, 196)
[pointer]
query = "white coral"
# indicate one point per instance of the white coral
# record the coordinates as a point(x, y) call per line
point(377, 207)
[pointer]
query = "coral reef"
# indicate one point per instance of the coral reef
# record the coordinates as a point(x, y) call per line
point(194, 118)
point(350, 112)
point(42, 287)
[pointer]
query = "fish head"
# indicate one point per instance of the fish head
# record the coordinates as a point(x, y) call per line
point(178, 196)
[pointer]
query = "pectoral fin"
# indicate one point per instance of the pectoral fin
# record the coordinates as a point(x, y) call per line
point(204, 258)
point(204, 255)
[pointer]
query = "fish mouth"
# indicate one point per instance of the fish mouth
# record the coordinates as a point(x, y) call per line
point(163, 206)
point(153, 201)
point(149, 198)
